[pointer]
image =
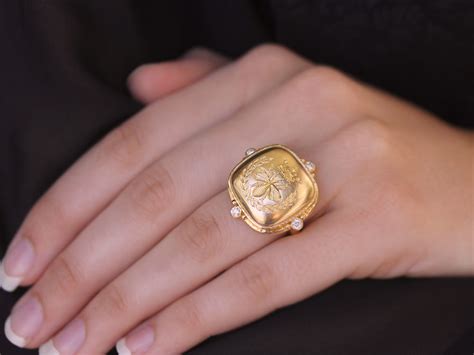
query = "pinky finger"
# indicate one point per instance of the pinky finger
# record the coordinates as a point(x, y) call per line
point(151, 82)
point(284, 272)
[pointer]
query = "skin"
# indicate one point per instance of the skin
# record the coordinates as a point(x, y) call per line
point(139, 229)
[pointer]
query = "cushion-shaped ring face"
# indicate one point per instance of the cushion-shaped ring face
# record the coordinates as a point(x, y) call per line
point(272, 186)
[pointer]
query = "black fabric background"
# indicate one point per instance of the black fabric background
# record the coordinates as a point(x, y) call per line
point(63, 69)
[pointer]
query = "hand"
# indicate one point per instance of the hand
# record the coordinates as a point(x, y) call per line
point(138, 232)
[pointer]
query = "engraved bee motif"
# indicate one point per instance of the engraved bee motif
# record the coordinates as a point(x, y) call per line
point(269, 187)
point(269, 184)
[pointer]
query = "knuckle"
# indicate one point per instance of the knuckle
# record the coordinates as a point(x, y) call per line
point(256, 279)
point(323, 85)
point(203, 236)
point(269, 51)
point(47, 216)
point(64, 276)
point(112, 301)
point(152, 192)
point(261, 63)
point(189, 315)
point(374, 140)
point(378, 149)
point(124, 144)
point(323, 75)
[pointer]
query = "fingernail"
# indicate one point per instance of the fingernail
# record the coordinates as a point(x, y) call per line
point(138, 341)
point(48, 349)
point(16, 264)
point(24, 322)
point(68, 341)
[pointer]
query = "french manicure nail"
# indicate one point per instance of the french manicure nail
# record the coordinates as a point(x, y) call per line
point(48, 349)
point(24, 322)
point(138, 341)
point(16, 264)
point(8, 283)
point(68, 341)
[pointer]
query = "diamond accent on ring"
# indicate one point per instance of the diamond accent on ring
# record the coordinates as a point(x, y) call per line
point(236, 212)
point(250, 151)
point(297, 224)
point(310, 166)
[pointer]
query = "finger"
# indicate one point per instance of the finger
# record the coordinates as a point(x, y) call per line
point(150, 82)
point(90, 184)
point(284, 272)
point(204, 245)
point(164, 195)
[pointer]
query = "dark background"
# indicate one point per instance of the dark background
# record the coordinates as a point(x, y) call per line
point(63, 69)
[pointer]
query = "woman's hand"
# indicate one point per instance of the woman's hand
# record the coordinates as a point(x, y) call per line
point(138, 231)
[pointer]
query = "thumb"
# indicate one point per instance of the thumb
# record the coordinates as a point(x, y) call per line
point(150, 82)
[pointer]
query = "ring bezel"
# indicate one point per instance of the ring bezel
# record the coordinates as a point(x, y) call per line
point(296, 174)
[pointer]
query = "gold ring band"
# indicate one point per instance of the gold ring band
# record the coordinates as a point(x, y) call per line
point(272, 189)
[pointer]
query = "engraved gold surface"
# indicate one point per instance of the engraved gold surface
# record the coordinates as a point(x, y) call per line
point(272, 186)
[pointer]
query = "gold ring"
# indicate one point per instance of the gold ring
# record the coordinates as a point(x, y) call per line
point(272, 189)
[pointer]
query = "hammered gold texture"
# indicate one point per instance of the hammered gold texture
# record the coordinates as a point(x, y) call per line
point(272, 186)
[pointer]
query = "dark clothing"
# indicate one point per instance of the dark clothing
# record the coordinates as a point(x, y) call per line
point(64, 65)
